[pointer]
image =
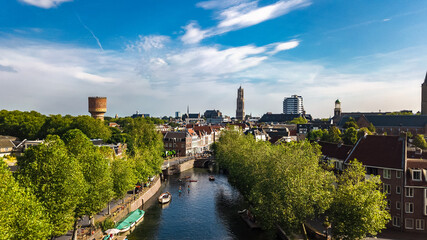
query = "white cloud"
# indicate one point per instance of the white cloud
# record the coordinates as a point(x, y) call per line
point(193, 34)
point(234, 15)
point(58, 78)
point(285, 46)
point(45, 3)
point(146, 43)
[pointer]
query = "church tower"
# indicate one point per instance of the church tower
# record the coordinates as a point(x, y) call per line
point(337, 109)
point(240, 111)
point(424, 97)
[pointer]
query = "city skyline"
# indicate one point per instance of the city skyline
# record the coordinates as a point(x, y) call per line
point(159, 57)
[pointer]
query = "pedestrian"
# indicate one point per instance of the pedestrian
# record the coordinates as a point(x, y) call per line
point(188, 188)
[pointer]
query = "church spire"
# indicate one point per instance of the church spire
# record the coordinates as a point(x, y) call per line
point(425, 80)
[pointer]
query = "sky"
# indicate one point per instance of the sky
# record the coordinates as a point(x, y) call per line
point(160, 56)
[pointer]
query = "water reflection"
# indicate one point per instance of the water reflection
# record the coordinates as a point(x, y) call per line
point(207, 211)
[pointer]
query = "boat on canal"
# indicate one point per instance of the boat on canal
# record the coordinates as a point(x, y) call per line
point(165, 197)
point(129, 221)
point(211, 178)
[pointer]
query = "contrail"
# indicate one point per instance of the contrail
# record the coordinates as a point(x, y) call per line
point(91, 32)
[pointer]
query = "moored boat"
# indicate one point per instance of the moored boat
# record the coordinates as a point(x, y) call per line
point(165, 197)
point(211, 178)
point(131, 220)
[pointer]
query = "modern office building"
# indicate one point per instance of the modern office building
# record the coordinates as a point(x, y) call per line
point(293, 105)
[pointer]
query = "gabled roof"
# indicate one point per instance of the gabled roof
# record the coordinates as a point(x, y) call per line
point(335, 150)
point(6, 143)
point(207, 129)
point(175, 135)
point(379, 151)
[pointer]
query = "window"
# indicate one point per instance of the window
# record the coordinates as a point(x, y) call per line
point(425, 201)
point(387, 173)
point(419, 224)
point(370, 170)
point(409, 223)
point(396, 221)
point(387, 188)
point(398, 190)
point(398, 174)
point(409, 192)
point(409, 207)
point(416, 175)
point(397, 205)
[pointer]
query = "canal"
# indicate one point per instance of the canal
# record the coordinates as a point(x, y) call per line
point(207, 211)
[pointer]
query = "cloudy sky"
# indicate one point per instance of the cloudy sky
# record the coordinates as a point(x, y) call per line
point(158, 56)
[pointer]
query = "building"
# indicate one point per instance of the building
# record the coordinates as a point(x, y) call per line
point(213, 116)
point(424, 97)
point(137, 115)
point(402, 170)
point(240, 110)
point(293, 105)
point(177, 114)
point(6, 145)
point(192, 118)
point(180, 142)
point(98, 107)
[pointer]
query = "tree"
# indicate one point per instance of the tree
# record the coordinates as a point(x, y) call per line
point(350, 123)
point(56, 125)
point(96, 172)
point(123, 176)
point(420, 141)
point(56, 180)
point(22, 216)
point(358, 208)
point(316, 134)
point(371, 128)
point(350, 136)
point(284, 184)
point(362, 132)
point(334, 135)
point(92, 128)
point(21, 124)
point(299, 120)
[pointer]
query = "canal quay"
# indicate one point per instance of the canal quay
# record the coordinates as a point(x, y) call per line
point(209, 210)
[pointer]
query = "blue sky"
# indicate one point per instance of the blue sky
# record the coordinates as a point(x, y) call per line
point(158, 56)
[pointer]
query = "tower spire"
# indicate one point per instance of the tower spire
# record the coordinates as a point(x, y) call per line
point(425, 79)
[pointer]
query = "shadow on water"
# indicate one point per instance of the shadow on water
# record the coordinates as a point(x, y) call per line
point(207, 211)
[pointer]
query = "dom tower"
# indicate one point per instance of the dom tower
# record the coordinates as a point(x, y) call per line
point(424, 97)
point(240, 111)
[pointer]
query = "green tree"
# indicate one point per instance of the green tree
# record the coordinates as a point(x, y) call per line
point(92, 128)
point(371, 128)
point(420, 141)
point(56, 180)
point(56, 125)
point(334, 135)
point(299, 120)
point(22, 216)
point(362, 132)
point(350, 136)
point(123, 175)
point(284, 184)
point(96, 172)
point(359, 207)
point(316, 134)
point(350, 123)
point(24, 125)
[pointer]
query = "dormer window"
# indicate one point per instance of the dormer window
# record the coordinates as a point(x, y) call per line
point(416, 175)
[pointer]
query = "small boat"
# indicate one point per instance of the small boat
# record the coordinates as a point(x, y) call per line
point(165, 197)
point(191, 180)
point(131, 220)
point(211, 178)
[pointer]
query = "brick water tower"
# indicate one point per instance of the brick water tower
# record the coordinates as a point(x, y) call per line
point(98, 107)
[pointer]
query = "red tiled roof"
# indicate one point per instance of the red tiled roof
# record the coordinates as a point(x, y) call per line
point(334, 150)
point(379, 151)
point(416, 163)
point(207, 129)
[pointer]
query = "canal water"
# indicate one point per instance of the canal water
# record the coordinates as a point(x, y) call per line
point(207, 211)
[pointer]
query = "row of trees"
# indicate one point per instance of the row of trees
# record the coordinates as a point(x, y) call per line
point(68, 177)
point(32, 125)
point(286, 185)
